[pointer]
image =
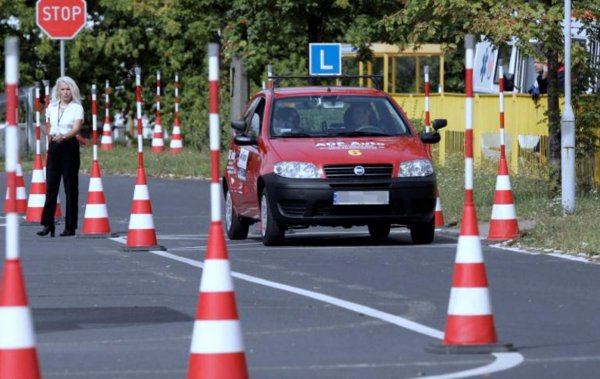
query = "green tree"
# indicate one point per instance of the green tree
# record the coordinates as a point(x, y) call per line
point(447, 21)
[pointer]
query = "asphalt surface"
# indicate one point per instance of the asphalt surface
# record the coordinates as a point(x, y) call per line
point(331, 303)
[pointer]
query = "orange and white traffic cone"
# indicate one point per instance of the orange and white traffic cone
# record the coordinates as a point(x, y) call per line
point(439, 214)
point(37, 193)
point(217, 349)
point(106, 142)
point(95, 221)
point(142, 234)
point(176, 145)
point(158, 143)
point(21, 192)
point(18, 354)
point(470, 324)
point(503, 224)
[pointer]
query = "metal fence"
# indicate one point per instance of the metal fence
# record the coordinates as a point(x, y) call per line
point(525, 126)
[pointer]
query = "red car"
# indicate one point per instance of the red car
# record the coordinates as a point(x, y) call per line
point(328, 156)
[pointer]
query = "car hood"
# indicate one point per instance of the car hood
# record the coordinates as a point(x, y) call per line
point(323, 151)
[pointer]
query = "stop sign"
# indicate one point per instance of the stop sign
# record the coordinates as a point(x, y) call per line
point(60, 19)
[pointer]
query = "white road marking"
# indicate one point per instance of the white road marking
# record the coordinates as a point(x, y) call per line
point(504, 361)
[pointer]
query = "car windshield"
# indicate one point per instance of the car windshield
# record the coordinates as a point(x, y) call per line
point(336, 116)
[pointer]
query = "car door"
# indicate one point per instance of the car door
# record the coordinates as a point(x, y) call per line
point(249, 163)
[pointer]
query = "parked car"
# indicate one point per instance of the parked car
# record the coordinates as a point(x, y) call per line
point(328, 156)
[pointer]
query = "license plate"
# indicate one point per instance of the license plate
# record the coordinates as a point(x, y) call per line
point(360, 197)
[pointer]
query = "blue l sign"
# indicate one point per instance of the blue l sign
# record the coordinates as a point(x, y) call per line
point(325, 59)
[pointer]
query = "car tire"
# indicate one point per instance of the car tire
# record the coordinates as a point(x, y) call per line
point(236, 228)
point(379, 231)
point(272, 232)
point(422, 233)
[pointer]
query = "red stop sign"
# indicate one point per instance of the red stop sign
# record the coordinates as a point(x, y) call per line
point(60, 19)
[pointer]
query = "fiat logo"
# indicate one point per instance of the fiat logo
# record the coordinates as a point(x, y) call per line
point(359, 170)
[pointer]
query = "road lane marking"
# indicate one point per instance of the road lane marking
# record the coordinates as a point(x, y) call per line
point(503, 361)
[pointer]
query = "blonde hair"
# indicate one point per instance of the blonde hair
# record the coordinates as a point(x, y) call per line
point(72, 86)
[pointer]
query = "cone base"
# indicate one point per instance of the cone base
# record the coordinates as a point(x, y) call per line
point(224, 365)
point(143, 248)
point(440, 348)
point(19, 363)
point(98, 235)
point(503, 230)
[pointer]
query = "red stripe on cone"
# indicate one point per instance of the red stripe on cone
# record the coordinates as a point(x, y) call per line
point(13, 291)
point(469, 275)
point(216, 306)
point(19, 364)
point(470, 330)
point(218, 366)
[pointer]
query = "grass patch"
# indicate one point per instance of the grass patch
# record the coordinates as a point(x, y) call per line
point(576, 233)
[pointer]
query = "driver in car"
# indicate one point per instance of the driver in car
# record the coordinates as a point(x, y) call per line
point(285, 120)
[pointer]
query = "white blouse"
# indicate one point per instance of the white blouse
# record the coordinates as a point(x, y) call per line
point(61, 121)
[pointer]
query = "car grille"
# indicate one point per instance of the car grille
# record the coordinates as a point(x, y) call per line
point(347, 171)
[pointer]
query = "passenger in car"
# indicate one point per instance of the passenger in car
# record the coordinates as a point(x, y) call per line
point(286, 120)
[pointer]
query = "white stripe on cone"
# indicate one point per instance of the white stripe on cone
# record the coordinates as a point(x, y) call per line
point(16, 328)
point(504, 212)
point(217, 336)
point(472, 301)
point(95, 185)
point(140, 192)
point(141, 221)
point(468, 250)
point(96, 211)
point(216, 276)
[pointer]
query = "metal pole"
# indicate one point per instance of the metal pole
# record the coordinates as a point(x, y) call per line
point(568, 126)
point(62, 57)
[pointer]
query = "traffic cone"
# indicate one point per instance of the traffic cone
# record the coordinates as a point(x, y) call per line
point(158, 143)
point(439, 215)
point(141, 235)
point(176, 144)
point(106, 140)
point(470, 325)
point(21, 192)
point(503, 224)
point(217, 349)
point(95, 221)
point(18, 354)
point(37, 193)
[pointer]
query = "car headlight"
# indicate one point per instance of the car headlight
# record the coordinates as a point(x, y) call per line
point(296, 170)
point(419, 167)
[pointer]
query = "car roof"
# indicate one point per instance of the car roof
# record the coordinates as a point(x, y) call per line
point(323, 90)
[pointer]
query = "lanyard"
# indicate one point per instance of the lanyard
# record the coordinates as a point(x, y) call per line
point(61, 113)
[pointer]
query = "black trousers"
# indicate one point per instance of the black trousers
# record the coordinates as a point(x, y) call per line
point(63, 163)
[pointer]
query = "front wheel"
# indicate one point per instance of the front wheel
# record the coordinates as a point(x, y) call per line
point(236, 228)
point(272, 232)
point(422, 233)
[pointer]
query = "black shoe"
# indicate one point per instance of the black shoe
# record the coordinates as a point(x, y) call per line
point(46, 230)
point(67, 233)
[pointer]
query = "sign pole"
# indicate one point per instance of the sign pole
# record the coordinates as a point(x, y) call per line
point(62, 57)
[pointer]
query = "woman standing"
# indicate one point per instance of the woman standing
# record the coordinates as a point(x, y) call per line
point(66, 119)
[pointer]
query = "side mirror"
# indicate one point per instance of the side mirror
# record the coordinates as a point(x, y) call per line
point(430, 137)
point(439, 123)
point(238, 125)
point(242, 140)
